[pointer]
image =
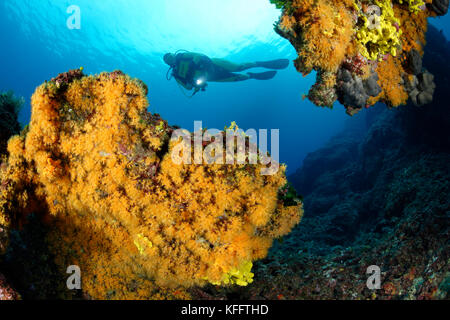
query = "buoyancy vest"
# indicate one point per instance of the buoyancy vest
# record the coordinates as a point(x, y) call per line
point(189, 67)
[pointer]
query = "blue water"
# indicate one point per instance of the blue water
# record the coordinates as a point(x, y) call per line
point(133, 36)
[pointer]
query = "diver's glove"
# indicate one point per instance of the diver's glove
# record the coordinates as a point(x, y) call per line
point(199, 88)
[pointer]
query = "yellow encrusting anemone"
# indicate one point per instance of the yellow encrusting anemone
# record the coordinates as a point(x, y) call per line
point(379, 35)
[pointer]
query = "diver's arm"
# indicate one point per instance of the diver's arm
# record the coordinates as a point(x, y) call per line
point(187, 86)
point(198, 66)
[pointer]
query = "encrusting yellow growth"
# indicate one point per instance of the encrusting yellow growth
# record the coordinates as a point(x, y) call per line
point(241, 276)
point(142, 243)
point(97, 167)
point(414, 5)
point(350, 40)
point(380, 35)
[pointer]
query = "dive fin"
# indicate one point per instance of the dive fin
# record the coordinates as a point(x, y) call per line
point(263, 75)
point(274, 64)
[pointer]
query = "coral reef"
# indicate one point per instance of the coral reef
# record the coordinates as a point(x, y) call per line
point(9, 126)
point(364, 51)
point(96, 169)
point(6, 292)
point(376, 194)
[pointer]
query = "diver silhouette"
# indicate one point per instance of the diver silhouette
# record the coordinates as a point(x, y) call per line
point(195, 70)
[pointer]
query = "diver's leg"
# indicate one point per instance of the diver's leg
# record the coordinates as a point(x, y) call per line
point(279, 64)
point(235, 77)
point(233, 67)
point(262, 75)
point(219, 74)
point(231, 77)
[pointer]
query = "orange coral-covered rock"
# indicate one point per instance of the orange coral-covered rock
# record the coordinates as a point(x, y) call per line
point(376, 41)
point(98, 168)
point(391, 82)
point(326, 31)
point(6, 292)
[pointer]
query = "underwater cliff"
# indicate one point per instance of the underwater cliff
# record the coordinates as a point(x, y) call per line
point(378, 194)
point(375, 161)
point(375, 194)
point(9, 126)
point(9, 112)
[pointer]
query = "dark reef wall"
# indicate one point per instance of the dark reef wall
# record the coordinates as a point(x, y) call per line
point(9, 111)
point(376, 194)
point(360, 181)
point(380, 197)
point(9, 126)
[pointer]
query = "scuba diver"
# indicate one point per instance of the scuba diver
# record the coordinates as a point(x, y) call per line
point(195, 70)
